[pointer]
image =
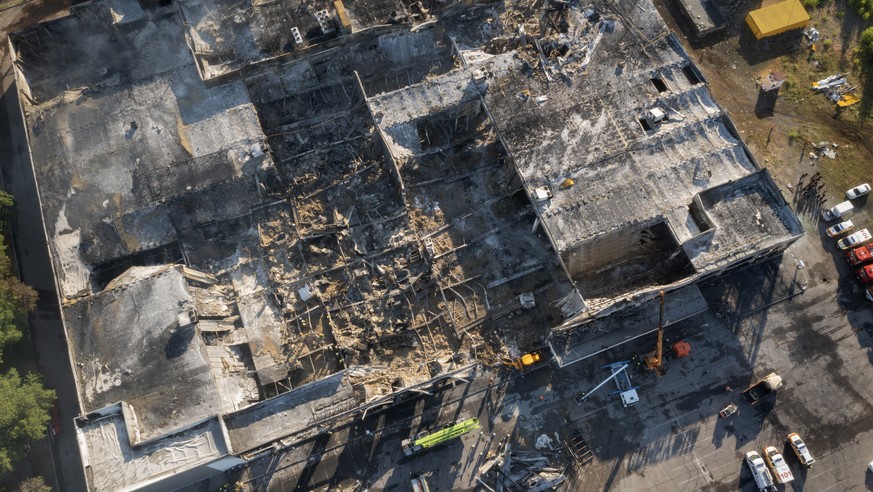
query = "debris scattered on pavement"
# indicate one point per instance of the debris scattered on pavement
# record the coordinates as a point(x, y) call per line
point(531, 471)
point(543, 442)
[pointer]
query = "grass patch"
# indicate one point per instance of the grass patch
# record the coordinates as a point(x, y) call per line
point(844, 172)
point(795, 136)
point(8, 4)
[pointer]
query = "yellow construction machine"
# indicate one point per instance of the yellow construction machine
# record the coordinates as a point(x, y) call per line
point(525, 361)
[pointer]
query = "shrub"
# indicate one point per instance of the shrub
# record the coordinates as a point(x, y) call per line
point(34, 484)
point(863, 7)
point(865, 48)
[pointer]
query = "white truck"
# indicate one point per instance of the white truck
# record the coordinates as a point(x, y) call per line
point(759, 472)
point(763, 387)
point(837, 211)
point(781, 471)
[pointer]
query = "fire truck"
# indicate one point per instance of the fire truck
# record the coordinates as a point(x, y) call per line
point(860, 255)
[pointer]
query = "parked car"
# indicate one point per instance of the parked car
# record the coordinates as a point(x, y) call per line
point(55, 425)
point(763, 479)
point(727, 411)
point(841, 228)
point(800, 449)
point(855, 239)
point(779, 468)
point(858, 191)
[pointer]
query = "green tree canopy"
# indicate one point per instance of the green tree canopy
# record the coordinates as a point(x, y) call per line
point(34, 484)
point(16, 298)
point(24, 405)
point(24, 402)
point(866, 47)
point(863, 7)
point(6, 203)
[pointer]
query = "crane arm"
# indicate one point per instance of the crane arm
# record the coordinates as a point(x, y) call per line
point(653, 360)
point(660, 353)
point(611, 376)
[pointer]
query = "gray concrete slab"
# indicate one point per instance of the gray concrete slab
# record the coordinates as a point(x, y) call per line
point(289, 412)
point(602, 334)
point(705, 16)
point(153, 363)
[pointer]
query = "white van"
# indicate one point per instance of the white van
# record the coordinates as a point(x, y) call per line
point(763, 479)
point(837, 211)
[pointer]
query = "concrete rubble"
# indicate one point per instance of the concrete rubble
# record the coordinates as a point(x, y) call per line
point(313, 210)
point(530, 471)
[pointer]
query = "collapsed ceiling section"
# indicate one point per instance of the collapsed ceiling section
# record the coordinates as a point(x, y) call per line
point(404, 188)
point(349, 206)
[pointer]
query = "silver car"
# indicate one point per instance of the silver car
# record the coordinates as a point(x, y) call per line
point(858, 191)
point(841, 228)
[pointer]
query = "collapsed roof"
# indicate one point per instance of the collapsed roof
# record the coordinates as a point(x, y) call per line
point(371, 209)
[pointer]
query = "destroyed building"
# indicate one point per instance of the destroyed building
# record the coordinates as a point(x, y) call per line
point(265, 217)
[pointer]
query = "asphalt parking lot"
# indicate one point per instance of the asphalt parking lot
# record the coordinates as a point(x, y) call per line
point(759, 322)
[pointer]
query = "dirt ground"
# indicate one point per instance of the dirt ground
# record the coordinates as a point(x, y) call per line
point(781, 136)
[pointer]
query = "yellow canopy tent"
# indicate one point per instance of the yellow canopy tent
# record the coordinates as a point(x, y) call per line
point(777, 18)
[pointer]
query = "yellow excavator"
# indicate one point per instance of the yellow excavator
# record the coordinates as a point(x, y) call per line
point(525, 361)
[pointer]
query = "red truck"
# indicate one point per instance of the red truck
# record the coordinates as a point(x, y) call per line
point(860, 255)
point(865, 275)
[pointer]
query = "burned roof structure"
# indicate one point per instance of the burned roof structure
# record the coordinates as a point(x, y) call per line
point(284, 208)
point(620, 157)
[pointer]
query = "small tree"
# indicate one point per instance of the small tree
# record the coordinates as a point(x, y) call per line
point(24, 402)
point(863, 7)
point(865, 48)
point(16, 298)
point(6, 203)
point(34, 484)
point(24, 414)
